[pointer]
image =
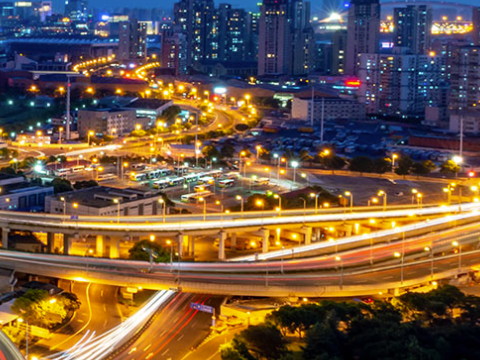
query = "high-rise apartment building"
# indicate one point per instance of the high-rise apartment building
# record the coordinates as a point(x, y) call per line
point(132, 43)
point(401, 85)
point(76, 10)
point(285, 41)
point(465, 79)
point(232, 33)
point(476, 25)
point(198, 20)
point(253, 19)
point(412, 28)
point(173, 54)
point(339, 47)
point(362, 31)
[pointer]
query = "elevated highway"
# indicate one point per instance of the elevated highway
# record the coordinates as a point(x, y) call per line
point(184, 228)
point(362, 269)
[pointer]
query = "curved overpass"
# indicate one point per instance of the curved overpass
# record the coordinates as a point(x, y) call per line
point(8, 351)
point(359, 270)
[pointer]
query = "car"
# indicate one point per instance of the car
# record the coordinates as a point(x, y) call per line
point(399, 193)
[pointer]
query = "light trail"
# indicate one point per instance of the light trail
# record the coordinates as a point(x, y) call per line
point(92, 347)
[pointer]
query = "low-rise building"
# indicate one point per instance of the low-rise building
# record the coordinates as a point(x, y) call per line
point(108, 121)
point(151, 108)
point(106, 201)
point(20, 195)
point(470, 119)
point(332, 108)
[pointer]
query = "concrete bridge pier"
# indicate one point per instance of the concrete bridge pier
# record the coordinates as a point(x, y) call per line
point(222, 237)
point(182, 240)
point(114, 248)
point(307, 234)
point(265, 234)
point(67, 243)
point(233, 241)
point(191, 246)
point(99, 246)
point(5, 232)
point(50, 243)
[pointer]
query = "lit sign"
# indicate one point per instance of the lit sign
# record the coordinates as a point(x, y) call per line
point(353, 83)
point(23, 4)
point(220, 90)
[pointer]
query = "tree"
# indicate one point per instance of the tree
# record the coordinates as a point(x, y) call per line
point(84, 184)
point(361, 164)
point(61, 185)
point(210, 152)
point(449, 167)
point(227, 150)
point(263, 341)
point(382, 165)
point(170, 113)
point(138, 252)
point(404, 165)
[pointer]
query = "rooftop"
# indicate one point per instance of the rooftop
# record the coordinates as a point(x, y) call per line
point(103, 196)
point(147, 103)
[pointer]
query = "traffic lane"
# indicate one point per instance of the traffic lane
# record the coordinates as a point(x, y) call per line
point(174, 330)
point(8, 350)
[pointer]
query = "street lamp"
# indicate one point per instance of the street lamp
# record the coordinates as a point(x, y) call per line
point(313, 195)
point(373, 200)
point(384, 194)
point(164, 207)
point(276, 196)
point(294, 166)
point(117, 201)
point(349, 193)
point(258, 148)
point(394, 157)
point(339, 259)
point(457, 245)
point(414, 193)
point(202, 199)
point(458, 160)
point(430, 251)
point(170, 243)
point(89, 134)
point(240, 198)
point(397, 254)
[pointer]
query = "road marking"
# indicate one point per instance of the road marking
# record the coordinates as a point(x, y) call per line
point(165, 352)
point(101, 293)
point(149, 356)
point(105, 307)
point(180, 337)
point(132, 350)
point(163, 332)
point(148, 347)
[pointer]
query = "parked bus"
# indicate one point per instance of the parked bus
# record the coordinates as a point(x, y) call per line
point(226, 183)
point(146, 175)
point(195, 196)
point(103, 177)
point(203, 187)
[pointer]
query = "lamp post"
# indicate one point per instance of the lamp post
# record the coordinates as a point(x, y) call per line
point(170, 243)
point(276, 196)
point(313, 195)
point(394, 157)
point(458, 160)
point(240, 198)
point(384, 194)
point(458, 246)
point(276, 156)
point(89, 134)
point(117, 201)
point(420, 200)
point(164, 208)
point(414, 193)
point(339, 259)
point(373, 200)
point(204, 208)
point(294, 166)
point(401, 256)
point(62, 199)
point(349, 194)
point(429, 249)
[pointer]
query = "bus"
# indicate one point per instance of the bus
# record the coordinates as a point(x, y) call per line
point(151, 174)
point(104, 177)
point(194, 197)
point(206, 180)
point(203, 187)
point(261, 181)
point(226, 183)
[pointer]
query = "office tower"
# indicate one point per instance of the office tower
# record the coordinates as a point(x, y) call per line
point(253, 19)
point(412, 26)
point(198, 20)
point(232, 33)
point(286, 41)
point(392, 85)
point(465, 79)
point(173, 54)
point(76, 10)
point(339, 46)
point(362, 31)
point(303, 43)
point(274, 40)
point(476, 25)
point(132, 43)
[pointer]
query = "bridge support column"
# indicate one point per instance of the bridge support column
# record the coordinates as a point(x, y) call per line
point(5, 232)
point(278, 231)
point(233, 241)
point(114, 248)
point(181, 239)
point(222, 237)
point(99, 246)
point(67, 243)
point(265, 234)
point(50, 242)
point(191, 246)
point(307, 234)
